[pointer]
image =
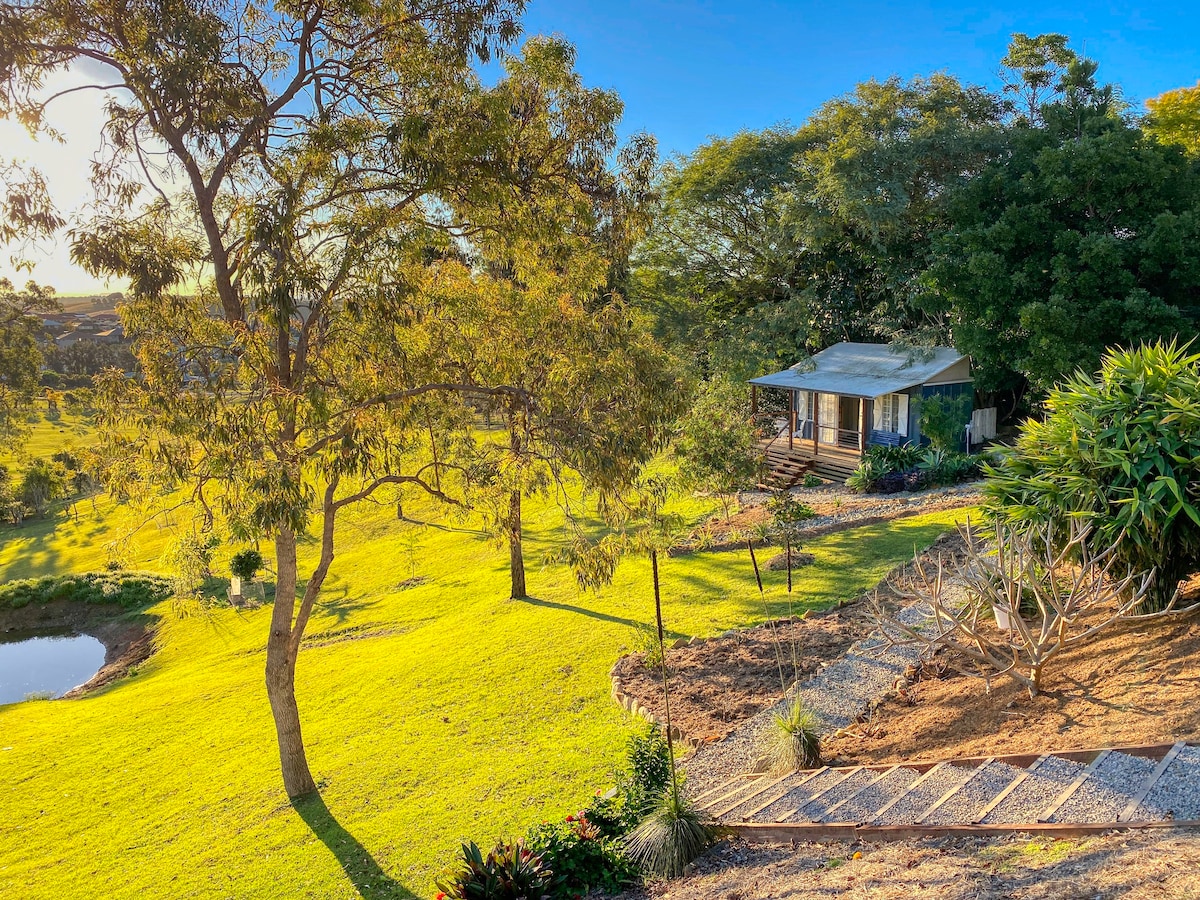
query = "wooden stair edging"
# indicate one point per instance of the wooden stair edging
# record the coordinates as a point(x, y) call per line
point(1047, 814)
point(824, 832)
point(1131, 808)
point(785, 830)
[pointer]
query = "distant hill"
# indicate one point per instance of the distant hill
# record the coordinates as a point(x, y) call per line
point(90, 303)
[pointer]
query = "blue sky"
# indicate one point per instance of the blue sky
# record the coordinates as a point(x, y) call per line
point(690, 70)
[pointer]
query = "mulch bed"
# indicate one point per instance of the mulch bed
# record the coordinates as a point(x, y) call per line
point(720, 683)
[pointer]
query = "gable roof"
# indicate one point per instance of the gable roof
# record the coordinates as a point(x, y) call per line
point(864, 370)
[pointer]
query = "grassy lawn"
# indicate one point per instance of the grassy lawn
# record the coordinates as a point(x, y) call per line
point(435, 710)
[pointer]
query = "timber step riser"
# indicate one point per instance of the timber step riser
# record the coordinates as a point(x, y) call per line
point(777, 801)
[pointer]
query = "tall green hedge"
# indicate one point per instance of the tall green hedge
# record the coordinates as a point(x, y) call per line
point(1121, 449)
point(126, 589)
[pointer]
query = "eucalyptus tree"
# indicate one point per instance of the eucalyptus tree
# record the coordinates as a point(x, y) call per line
point(316, 169)
point(20, 354)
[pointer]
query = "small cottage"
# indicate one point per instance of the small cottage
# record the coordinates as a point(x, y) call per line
point(850, 396)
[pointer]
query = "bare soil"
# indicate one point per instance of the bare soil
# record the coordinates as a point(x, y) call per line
point(1130, 865)
point(128, 640)
point(724, 681)
point(1134, 684)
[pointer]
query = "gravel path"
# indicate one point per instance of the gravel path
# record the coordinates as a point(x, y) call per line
point(863, 807)
point(1107, 791)
point(817, 810)
point(797, 797)
point(924, 795)
point(980, 789)
point(839, 693)
point(1035, 793)
point(1176, 795)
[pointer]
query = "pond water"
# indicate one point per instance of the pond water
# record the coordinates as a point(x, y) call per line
point(35, 662)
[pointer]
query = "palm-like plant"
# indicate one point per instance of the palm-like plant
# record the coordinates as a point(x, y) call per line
point(795, 739)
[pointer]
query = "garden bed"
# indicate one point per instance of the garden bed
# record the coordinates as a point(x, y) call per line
point(836, 508)
point(721, 683)
point(1132, 684)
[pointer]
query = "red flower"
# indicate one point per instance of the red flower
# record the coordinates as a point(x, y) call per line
point(570, 818)
point(440, 896)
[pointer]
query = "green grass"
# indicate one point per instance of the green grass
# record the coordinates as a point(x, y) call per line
point(433, 713)
point(49, 435)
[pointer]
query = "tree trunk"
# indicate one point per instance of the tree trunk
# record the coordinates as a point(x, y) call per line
point(281, 672)
point(516, 560)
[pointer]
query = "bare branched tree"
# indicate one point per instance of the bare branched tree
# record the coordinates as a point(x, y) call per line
point(1051, 584)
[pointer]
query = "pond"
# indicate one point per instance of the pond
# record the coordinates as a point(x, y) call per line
point(39, 663)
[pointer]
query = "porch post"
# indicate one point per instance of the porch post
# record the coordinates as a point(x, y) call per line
point(754, 401)
point(791, 417)
point(816, 407)
point(862, 421)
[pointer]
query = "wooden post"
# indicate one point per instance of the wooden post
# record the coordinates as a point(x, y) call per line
point(862, 421)
point(791, 417)
point(754, 401)
point(816, 407)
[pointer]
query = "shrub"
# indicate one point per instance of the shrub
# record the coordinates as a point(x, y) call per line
point(189, 557)
point(511, 871)
point(581, 854)
point(786, 509)
point(944, 420)
point(670, 837)
point(1120, 450)
point(812, 481)
point(886, 470)
point(246, 564)
point(648, 772)
point(127, 589)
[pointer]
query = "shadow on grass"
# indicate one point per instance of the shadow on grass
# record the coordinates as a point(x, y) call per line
point(592, 614)
point(367, 876)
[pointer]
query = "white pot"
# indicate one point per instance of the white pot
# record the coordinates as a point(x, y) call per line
point(235, 586)
point(1004, 619)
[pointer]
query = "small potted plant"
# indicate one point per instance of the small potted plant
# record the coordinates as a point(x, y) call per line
point(244, 567)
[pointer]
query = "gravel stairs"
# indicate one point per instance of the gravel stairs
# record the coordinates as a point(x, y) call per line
point(1103, 788)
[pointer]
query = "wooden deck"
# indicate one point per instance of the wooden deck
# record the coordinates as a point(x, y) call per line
point(788, 466)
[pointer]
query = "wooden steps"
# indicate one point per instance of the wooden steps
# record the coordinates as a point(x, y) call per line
point(1024, 792)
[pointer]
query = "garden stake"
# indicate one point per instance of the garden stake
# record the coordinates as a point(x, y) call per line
point(767, 612)
point(788, 543)
point(662, 656)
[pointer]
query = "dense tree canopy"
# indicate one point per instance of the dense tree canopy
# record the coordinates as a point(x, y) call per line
point(1031, 226)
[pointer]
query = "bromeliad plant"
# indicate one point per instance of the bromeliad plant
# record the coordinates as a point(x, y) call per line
point(510, 871)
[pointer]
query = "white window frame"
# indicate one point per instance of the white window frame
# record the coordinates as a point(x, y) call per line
point(891, 414)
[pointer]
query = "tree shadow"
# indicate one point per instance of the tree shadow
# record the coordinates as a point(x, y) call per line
point(367, 876)
point(592, 614)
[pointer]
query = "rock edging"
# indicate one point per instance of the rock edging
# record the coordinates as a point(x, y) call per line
point(634, 707)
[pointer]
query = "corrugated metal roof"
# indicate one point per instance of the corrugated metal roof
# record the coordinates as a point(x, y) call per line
point(864, 370)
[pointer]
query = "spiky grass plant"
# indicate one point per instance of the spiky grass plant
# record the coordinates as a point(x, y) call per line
point(670, 837)
point(795, 739)
point(672, 834)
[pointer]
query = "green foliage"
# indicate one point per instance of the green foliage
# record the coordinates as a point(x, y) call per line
point(20, 352)
point(1120, 449)
point(886, 470)
point(787, 509)
point(510, 871)
point(671, 836)
point(944, 420)
point(1174, 118)
point(648, 771)
point(938, 467)
point(189, 560)
point(246, 564)
point(879, 461)
point(716, 445)
point(581, 855)
point(811, 480)
point(42, 482)
point(794, 742)
point(127, 589)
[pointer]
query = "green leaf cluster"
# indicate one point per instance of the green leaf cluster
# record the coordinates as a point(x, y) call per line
point(1121, 449)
